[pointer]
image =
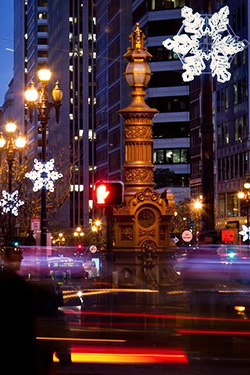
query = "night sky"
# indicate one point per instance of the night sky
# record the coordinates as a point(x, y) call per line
point(6, 42)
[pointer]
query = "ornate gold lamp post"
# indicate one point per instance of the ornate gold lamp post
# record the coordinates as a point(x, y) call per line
point(138, 167)
point(142, 223)
point(10, 202)
point(39, 100)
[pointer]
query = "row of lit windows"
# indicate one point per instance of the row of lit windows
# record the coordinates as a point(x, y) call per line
point(228, 205)
point(171, 156)
point(240, 91)
point(162, 54)
point(239, 134)
point(165, 4)
point(240, 128)
point(222, 99)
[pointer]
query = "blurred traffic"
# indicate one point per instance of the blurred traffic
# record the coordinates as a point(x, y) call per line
point(84, 315)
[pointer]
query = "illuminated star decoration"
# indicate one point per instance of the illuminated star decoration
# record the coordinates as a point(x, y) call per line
point(43, 175)
point(245, 233)
point(210, 39)
point(10, 202)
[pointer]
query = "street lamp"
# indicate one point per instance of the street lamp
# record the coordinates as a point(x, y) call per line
point(197, 205)
point(39, 100)
point(10, 201)
point(96, 229)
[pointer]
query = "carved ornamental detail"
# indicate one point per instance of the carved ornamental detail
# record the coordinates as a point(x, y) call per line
point(149, 257)
point(148, 195)
point(150, 233)
point(126, 233)
point(139, 175)
point(138, 132)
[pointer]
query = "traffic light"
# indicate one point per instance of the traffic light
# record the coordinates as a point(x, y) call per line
point(109, 193)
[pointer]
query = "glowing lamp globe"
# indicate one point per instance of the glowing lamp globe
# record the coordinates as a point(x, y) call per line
point(20, 141)
point(197, 205)
point(247, 185)
point(138, 73)
point(11, 126)
point(241, 195)
point(44, 74)
point(31, 94)
point(94, 228)
point(2, 141)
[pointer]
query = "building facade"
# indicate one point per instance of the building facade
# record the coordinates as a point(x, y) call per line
point(63, 35)
point(231, 127)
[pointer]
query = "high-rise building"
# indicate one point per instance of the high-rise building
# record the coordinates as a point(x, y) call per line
point(63, 34)
point(167, 93)
point(115, 21)
point(231, 119)
point(231, 126)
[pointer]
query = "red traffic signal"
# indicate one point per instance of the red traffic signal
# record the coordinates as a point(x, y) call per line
point(109, 193)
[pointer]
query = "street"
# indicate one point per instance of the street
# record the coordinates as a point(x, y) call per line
point(196, 367)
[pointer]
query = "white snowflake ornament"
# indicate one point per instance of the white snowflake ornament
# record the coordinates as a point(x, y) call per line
point(210, 39)
point(10, 202)
point(245, 233)
point(43, 175)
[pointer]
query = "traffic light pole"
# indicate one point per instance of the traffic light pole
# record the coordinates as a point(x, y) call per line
point(109, 243)
point(109, 259)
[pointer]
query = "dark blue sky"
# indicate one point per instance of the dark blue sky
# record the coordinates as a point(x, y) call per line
point(6, 42)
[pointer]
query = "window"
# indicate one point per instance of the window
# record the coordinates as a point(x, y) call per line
point(170, 104)
point(171, 156)
point(162, 54)
point(114, 94)
point(165, 4)
point(165, 79)
point(42, 41)
point(166, 27)
point(42, 3)
point(171, 130)
point(235, 94)
point(114, 161)
point(42, 28)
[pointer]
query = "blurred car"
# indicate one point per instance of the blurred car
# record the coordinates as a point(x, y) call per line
point(65, 269)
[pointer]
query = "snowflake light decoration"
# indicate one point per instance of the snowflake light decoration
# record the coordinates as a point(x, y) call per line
point(210, 39)
point(245, 233)
point(10, 202)
point(43, 175)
